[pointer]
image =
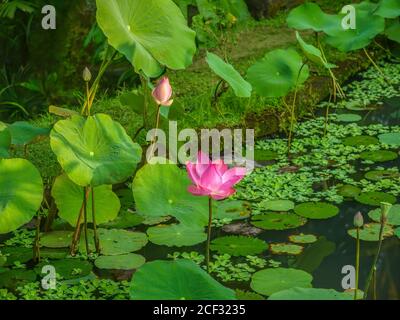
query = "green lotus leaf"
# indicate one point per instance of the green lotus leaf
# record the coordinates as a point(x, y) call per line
point(278, 221)
point(160, 279)
point(303, 238)
point(231, 209)
point(176, 235)
point(5, 140)
point(238, 245)
point(368, 26)
point(277, 205)
point(124, 220)
point(310, 294)
point(56, 239)
point(114, 242)
point(151, 221)
point(161, 190)
point(309, 16)
point(17, 254)
point(388, 9)
point(360, 141)
point(393, 32)
point(397, 232)
point(150, 34)
point(269, 281)
point(248, 295)
point(133, 100)
point(374, 198)
point(21, 193)
point(393, 217)
point(316, 210)
point(277, 73)
point(392, 138)
point(228, 73)
point(370, 232)
point(54, 253)
point(348, 117)
point(377, 175)
point(265, 155)
point(128, 261)
point(12, 279)
point(69, 198)
point(23, 133)
point(285, 248)
point(378, 155)
point(95, 150)
point(349, 191)
point(68, 268)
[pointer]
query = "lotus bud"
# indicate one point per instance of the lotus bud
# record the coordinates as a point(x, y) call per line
point(358, 220)
point(162, 93)
point(385, 208)
point(86, 75)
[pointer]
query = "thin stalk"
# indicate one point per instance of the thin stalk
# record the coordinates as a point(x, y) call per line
point(374, 284)
point(215, 97)
point(77, 232)
point(145, 87)
point(376, 66)
point(96, 236)
point(85, 220)
point(209, 233)
point(36, 247)
point(357, 262)
point(155, 132)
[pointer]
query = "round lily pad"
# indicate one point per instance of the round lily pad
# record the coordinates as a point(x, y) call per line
point(393, 217)
point(310, 294)
point(378, 155)
point(349, 191)
point(392, 138)
point(248, 295)
point(375, 198)
point(124, 220)
point(303, 238)
point(17, 254)
point(160, 279)
point(370, 232)
point(94, 151)
point(238, 245)
point(128, 261)
point(176, 235)
point(151, 221)
point(265, 155)
point(54, 253)
point(18, 277)
point(316, 210)
point(285, 248)
point(360, 141)
point(68, 268)
point(278, 221)
point(56, 239)
point(269, 281)
point(21, 193)
point(348, 117)
point(377, 175)
point(277, 205)
point(231, 209)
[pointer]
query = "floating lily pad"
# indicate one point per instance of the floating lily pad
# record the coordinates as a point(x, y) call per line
point(124, 220)
point(18, 277)
point(5, 140)
point(370, 232)
point(316, 210)
point(360, 141)
point(278, 221)
point(310, 294)
point(54, 253)
point(392, 138)
point(265, 155)
point(377, 175)
point(177, 235)
point(378, 155)
point(303, 238)
point(393, 216)
point(285, 248)
point(248, 295)
point(17, 254)
point(348, 117)
point(151, 221)
point(21, 193)
point(375, 198)
point(349, 191)
point(94, 151)
point(69, 197)
point(68, 268)
point(128, 261)
point(159, 279)
point(56, 239)
point(277, 205)
point(238, 245)
point(23, 132)
point(231, 209)
point(269, 281)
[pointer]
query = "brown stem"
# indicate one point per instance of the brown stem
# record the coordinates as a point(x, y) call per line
point(96, 236)
point(77, 232)
point(85, 220)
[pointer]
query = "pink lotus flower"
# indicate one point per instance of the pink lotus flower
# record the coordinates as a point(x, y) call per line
point(213, 178)
point(162, 93)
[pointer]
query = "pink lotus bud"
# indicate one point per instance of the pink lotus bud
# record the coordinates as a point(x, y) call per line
point(162, 93)
point(358, 220)
point(213, 178)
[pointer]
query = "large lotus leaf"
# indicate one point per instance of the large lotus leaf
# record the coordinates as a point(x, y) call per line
point(94, 150)
point(161, 190)
point(23, 132)
point(238, 245)
point(368, 26)
point(176, 280)
point(227, 72)
point(127, 261)
point(388, 9)
point(392, 138)
point(69, 198)
point(150, 33)
point(316, 210)
point(370, 232)
point(393, 32)
point(310, 294)
point(277, 73)
point(17, 254)
point(374, 198)
point(393, 217)
point(21, 193)
point(397, 232)
point(309, 16)
point(278, 221)
point(176, 235)
point(5, 140)
point(269, 281)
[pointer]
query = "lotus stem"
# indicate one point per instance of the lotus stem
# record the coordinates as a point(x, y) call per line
point(374, 284)
point(36, 247)
point(155, 132)
point(85, 220)
point(376, 66)
point(209, 234)
point(96, 236)
point(76, 235)
point(357, 262)
point(145, 87)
